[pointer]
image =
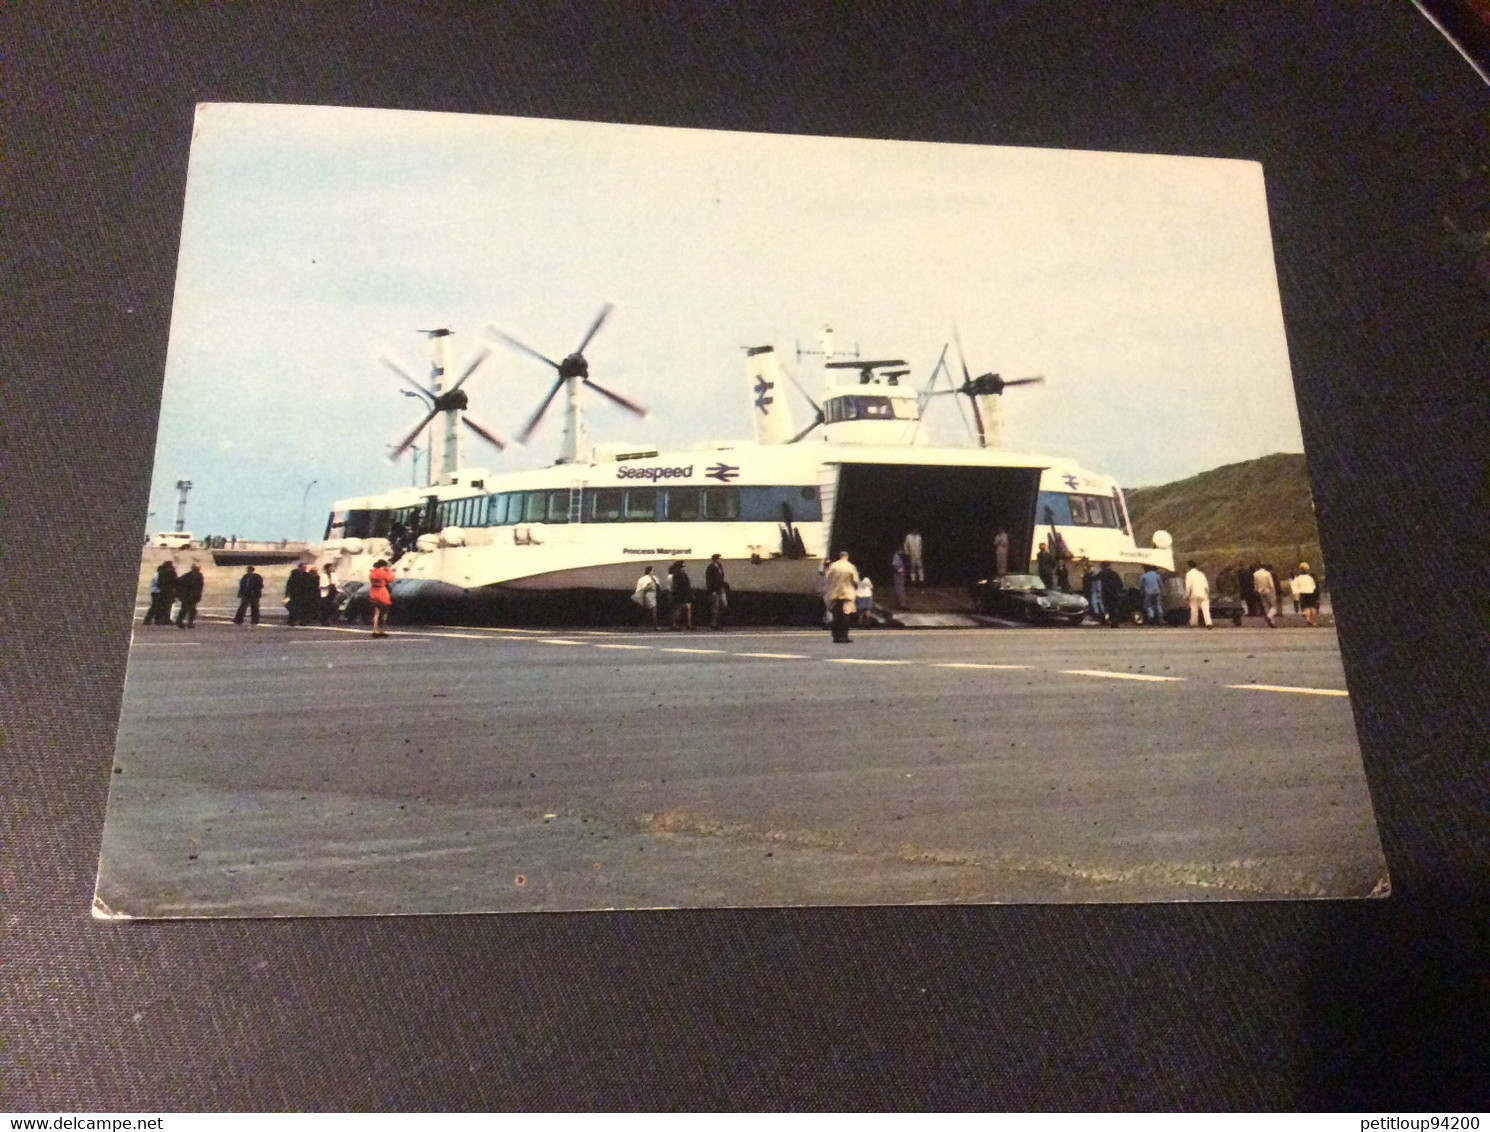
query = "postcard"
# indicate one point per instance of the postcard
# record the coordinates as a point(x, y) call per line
point(555, 515)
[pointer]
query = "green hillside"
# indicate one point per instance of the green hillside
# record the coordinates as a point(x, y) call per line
point(1257, 511)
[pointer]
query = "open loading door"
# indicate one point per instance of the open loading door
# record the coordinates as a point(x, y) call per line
point(957, 510)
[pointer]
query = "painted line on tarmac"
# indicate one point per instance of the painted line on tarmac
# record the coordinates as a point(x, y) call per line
point(168, 644)
point(557, 641)
point(775, 655)
point(1121, 675)
point(1282, 688)
point(1001, 667)
point(648, 648)
point(695, 650)
point(861, 660)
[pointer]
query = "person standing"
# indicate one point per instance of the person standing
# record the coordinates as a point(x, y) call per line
point(189, 591)
point(250, 588)
point(379, 578)
point(645, 595)
point(718, 590)
point(295, 595)
point(897, 577)
point(330, 596)
point(1091, 588)
point(1111, 583)
point(913, 556)
point(682, 595)
point(1198, 594)
point(1151, 586)
point(1262, 586)
point(842, 586)
point(162, 594)
point(1001, 551)
point(1306, 593)
point(864, 600)
point(1045, 566)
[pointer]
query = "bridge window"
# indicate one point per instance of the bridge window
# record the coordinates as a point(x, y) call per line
point(1078, 511)
point(558, 506)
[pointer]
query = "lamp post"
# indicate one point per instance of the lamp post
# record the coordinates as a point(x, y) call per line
point(305, 495)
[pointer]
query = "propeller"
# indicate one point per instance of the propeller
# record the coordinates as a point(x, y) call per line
point(453, 399)
point(984, 385)
point(573, 366)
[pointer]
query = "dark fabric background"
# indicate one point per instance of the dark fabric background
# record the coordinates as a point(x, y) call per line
point(1371, 129)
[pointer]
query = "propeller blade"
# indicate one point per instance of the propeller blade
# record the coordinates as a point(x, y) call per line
point(957, 337)
point(522, 437)
point(482, 431)
point(404, 445)
point(1025, 381)
point(808, 429)
point(594, 326)
point(470, 369)
point(632, 406)
point(397, 369)
point(516, 345)
point(978, 416)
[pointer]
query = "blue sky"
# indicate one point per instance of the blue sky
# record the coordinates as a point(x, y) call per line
point(316, 239)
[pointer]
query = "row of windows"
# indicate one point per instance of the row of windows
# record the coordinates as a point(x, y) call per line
point(1064, 510)
point(868, 409)
point(593, 505)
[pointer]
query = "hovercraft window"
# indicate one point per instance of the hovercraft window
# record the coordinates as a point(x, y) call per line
point(641, 505)
point(683, 505)
point(605, 505)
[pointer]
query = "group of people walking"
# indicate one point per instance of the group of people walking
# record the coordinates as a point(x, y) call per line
point(671, 600)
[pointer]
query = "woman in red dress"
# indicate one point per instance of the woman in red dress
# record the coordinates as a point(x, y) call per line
point(378, 595)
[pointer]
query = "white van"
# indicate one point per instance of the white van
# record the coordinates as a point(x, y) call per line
point(172, 540)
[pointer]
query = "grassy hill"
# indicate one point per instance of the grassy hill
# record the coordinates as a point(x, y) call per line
point(1257, 511)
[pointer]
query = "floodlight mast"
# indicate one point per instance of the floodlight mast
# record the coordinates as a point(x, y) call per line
point(182, 487)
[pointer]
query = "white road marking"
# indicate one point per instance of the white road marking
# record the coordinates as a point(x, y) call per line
point(169, 644)
point(647, 647)
point(1120, 675)
point(557, 641)
point(462, 636)
point(1004, 667)
point(1281, 688)
point(775, 655)
point(694, 650)
point(861, 660)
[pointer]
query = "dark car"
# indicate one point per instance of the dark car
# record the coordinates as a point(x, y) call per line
point(1023, 597)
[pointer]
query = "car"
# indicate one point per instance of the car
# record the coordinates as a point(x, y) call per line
point(172, 540)
point(1023, 597)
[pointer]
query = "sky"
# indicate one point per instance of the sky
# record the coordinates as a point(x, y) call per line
point(315, 240)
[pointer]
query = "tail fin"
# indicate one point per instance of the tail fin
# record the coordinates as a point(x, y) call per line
point(772, 415)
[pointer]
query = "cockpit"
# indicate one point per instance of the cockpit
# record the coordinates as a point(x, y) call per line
point(860, 407)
